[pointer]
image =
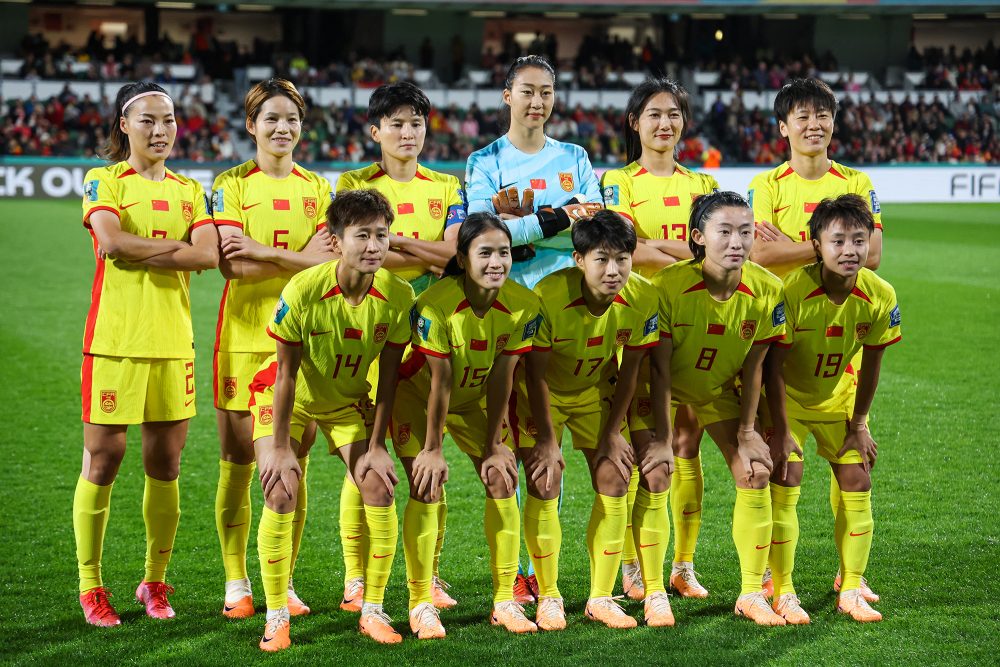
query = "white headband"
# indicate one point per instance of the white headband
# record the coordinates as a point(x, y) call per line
point(140, 96)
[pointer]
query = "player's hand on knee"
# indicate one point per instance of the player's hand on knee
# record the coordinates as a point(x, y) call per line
point(782, 446)
point(280, 474)
point(500, 465)
point(430, 472)
point(377, 461)
point(752, 449)
point(859, 438)
point(618, 452)
point(657, 453)
point(544, 465)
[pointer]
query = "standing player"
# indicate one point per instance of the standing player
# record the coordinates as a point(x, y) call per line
point(470, 330)
point(656, 194)
point(150, 228)
point(718, 316)
point(270, 215)
point(784, 198)
point(590, 313)
point(430, 208)
point(552, 178)
point(835, 308)
point(332, 321)
point(555, 180)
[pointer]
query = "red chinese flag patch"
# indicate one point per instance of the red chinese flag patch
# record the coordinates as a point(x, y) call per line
point(716, 329)
point(477, 345)
point(595, 341)
point(403, 209)
point(161, 205)
point(810, 206)
point(834, 332)
point(538, 184)
point(354, 334)
point(281, 205)
point(671, 201)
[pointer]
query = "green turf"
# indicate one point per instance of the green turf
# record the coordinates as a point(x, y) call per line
point(936, 501)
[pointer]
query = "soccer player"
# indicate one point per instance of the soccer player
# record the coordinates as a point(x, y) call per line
point(150, 228)
point(783, 200)
point(271, 215)
point(430, 208)
point(536, 184)
point(542, 185)
point(470, 330)
point(331, 322)
point(656, 194)
point(718, 316)
point(835, 308)
point(590, 313)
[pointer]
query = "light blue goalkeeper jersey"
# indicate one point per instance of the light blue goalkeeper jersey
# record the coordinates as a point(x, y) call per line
point(557, 173)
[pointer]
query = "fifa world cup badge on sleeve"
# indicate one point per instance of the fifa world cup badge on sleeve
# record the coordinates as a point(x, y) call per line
point(280, 310)
point(749, 197)
point(90, 190)
point(218, 201)
point(610, 194)
point(423, 327)
point(876, 207)
point(530, 328)
point(652, 324)
point(894, 317)
point(778, 316)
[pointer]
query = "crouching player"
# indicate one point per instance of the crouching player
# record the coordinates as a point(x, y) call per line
point(718, 316)
point(331, 323)
point(835, 308)
point(572, 380)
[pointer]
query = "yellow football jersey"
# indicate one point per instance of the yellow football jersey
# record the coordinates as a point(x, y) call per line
point(445, 326)
point(658, 206)
point(138, 310)
point(339, 341)
point(584, 347)
point(423, 206)
point(278, 212)
point(823, 338)
point(711, 339)
point(786, 200)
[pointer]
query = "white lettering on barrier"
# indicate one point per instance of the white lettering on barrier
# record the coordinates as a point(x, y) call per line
point(62, 182)
point(17, 181)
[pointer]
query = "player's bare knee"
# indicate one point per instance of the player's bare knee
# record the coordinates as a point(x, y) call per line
point(657, 481)
point(687, 444)
point(760, 478)
point(374, 491)
point(608, 481)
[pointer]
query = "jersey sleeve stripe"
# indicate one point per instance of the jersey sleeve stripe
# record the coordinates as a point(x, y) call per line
point(201, 223)
point(228, 223)
point(645, 346)
point(282, 340)
point(665, 334)
point(784, 345)
point(90, 212)
point(541, 348)
point(433, 353)
point(772, 339)
point(882, 346)
point(522, 350)
point(401, 346)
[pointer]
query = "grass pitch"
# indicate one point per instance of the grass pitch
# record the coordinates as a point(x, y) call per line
point(935, 495)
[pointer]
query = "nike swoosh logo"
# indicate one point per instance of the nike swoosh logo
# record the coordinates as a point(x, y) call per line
point(853, 534)
point(272, 562)
point(681, 325)
point(779, 210)
point(125, 206)
point(187, 403)
point(781, 542)
point(638, 203)
point(561, 340)
point(228, 608)
point(646, 546)
point(353, 537)
point(455, 347)
point(799, 329)
point(166, 551)
point(267, 639)
point(319, 333)
point(690, 512)
point(759, 548)
point(541, 557)
point(247, 208)
point(381, 555)
point(235, 525)
point(611, 553)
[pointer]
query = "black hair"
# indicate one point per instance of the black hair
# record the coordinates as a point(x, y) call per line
point(638, 100)
point(524, 62)
point(851, 209)
point(355, 207)
point(474, 226)
point(389, 97)
point(604, 229)
point(811, 93)
point(703, 209)
point(116, 149)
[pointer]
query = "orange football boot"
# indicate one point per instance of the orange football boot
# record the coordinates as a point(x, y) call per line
point(610, 613)
point(755, 607)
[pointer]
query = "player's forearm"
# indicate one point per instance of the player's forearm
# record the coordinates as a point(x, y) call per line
point(752, 380)
point(437, 410)
point(498, 388)
point(659, 387)
point(871, 366)
point(284, 400)
point(774, 383)
point(676, 249)
point(195, 257)
point(649, 256)
point(538, 400)
point(395, 259)
point(771, 254)
point(628, 377)
point(249, 268)
point(432, 253)
point(293, 262)
point(385, 396)
point(137, 249)
point(874, 251)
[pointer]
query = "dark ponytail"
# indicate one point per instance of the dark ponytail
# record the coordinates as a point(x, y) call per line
point(703, 209)
point(472, 228)
point(116, 149)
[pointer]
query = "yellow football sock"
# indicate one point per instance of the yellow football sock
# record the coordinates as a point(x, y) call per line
point(232, 516)
point(543, 537)
point(834, 495)
point(161, 510)
point(752, 535)
point(301, 505)
point(420, 531)
point(687, 487)
point(855, 540)
point(274, 546)
point(381, 535)
point(651, 534)
point(442, 518)
point(91, 507)
point(605, 541)
point(628, 551)
point(784, 537)
point(502, 524)
point(352, 529)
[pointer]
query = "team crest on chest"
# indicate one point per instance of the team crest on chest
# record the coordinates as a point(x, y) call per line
point(109, 400)
point(566, 181)
point(502, 341)
point(309, 207)
point(436, 208)
point(862, 329)
point(747, 329)
point(187, 210)
point(403, 433)
point(622, 336)
point(229, 387)
point(381, 331)
point(644, 407)
point(531, 427)
point(266, 415)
